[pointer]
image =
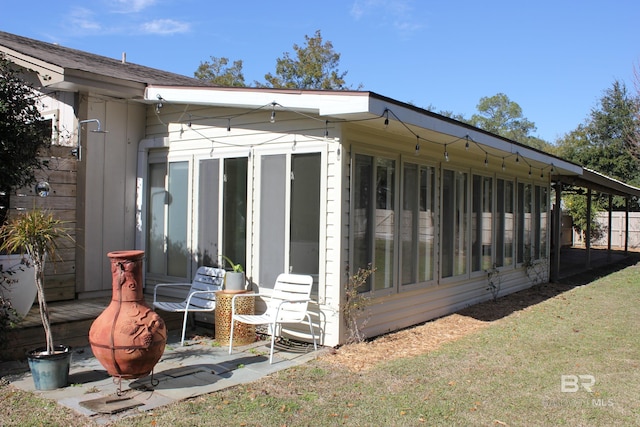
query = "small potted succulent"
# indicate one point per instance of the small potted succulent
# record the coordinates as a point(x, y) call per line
point(38, 234)
point(234, 279)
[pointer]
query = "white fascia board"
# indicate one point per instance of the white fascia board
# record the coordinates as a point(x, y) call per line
point(344, 105)
point(323, 104)
point(415, 118)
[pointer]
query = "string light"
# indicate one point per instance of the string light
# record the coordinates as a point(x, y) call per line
point(273, 113)
point(385, 116)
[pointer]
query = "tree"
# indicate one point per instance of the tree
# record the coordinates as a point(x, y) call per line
point(315, 66)
point(219, 72)
point(22, 134)
point(498, 114)
point(611, 135)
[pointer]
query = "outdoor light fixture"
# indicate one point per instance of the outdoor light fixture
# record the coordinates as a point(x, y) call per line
point(78, 150)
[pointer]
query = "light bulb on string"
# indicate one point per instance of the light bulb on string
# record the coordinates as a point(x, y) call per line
point(273, 113)
point(466, 144)
point(529, 170)
point(503, 166)
point(552, 168)
point(486, 160)
point(326, 129)
point(541, 173)
point(228, 125)
point(446, 154)
point(386, 118)
point(417, 145)
point(517, 157)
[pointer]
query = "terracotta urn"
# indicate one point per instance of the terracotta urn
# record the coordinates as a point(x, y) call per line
point(128, 337)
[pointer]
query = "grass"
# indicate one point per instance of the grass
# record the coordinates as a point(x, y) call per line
point(507, 374)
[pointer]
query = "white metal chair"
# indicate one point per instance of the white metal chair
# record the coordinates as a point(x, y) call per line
point(288, 304)
point(201, 295)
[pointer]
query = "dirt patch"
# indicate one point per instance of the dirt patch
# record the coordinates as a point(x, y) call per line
point(405, 343)
point(429, 336)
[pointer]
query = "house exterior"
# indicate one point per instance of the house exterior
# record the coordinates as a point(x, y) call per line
point(310, 182)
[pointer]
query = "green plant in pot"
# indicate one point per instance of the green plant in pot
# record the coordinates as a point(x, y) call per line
point(233, 279)
point(39, 233)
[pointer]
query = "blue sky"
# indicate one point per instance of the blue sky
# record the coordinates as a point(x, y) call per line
point(554, 59)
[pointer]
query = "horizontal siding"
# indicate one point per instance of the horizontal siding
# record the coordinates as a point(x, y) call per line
point(406, 309)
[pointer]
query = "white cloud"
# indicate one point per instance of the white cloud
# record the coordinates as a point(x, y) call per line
point(132, 6)
point(165, 26)
point(398, 13)
point(83, 19)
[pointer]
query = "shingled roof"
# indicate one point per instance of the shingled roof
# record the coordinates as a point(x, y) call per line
point(73, 59)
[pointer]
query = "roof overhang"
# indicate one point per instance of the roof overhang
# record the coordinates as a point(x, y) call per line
point(599, 182)
point(356, 105)
point(53, 77)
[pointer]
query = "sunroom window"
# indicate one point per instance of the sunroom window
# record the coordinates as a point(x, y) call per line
point(454, 223)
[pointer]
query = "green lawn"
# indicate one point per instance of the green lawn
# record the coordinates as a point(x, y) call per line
point(510, 373)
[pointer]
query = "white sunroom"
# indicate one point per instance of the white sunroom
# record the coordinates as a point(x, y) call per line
point(324, 183)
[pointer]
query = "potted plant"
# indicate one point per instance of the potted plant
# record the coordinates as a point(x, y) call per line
point(38, 233)
point(233, 280)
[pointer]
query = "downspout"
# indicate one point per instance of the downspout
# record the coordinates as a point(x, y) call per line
point(141, 186)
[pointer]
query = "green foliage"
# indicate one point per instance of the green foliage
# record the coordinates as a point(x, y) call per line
point(235, 267)
point(606, 142)
point(22, 134)
point(498, 114)
point(355, 303)
point(37, 232)
point(315, 66)
point(219, 72)
point(576, 206)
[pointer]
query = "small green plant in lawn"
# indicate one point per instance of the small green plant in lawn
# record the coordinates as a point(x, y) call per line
point(493, 279)
point(355, 303)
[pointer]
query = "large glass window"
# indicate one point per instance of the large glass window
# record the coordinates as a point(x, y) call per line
point(168, 199)
point(374, 229)
point(385, 223)
point(505, 222)
point(524, 222)
point(234, 225)
point(304, 251)
point(362, 215)
point(417, 224)
point(542, 207)
point(454, 223)
point(208, 218)
point(482, 223)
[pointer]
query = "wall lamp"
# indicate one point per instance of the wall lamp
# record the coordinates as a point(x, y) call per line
point(78, 150)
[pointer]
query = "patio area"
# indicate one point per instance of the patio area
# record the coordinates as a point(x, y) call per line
point(203, 366)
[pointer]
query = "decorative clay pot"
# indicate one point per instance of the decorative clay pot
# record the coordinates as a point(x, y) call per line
point(128, 338)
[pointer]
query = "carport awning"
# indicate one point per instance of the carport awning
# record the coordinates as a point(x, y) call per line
point(599, 182)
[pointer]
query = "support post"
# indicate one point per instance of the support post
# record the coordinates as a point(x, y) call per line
point(557, 234)
point(587, 237)
point(626, 225)
point(609, 232)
